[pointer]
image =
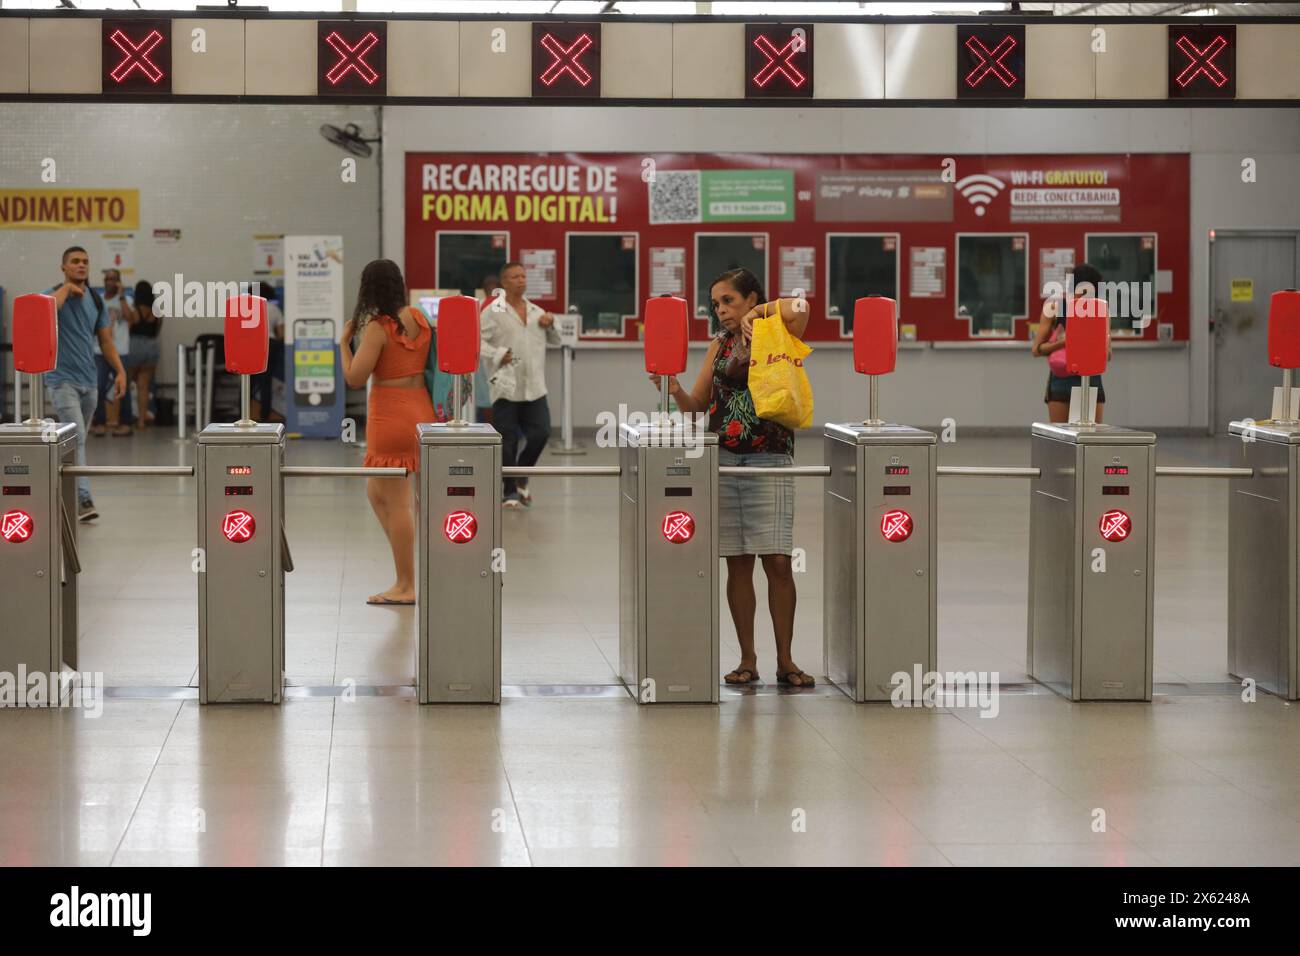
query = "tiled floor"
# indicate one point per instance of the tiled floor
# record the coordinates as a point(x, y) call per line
point(765, 778)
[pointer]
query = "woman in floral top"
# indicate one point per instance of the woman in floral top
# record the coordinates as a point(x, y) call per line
point(755, 515)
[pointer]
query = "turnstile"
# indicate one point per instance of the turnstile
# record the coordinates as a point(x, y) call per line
point(879, 543)
point(241, 587)
point(460, 573)
point(668, 563)
point(1263, 599)
point(38, 583)
point(1091, 548)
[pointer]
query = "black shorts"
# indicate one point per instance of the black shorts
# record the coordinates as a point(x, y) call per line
point(1058, 389)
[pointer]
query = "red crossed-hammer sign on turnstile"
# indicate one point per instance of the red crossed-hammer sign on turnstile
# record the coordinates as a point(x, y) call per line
point(678, 527)
point(990, 61)
point(567, 59)
point(238, 526)
point(1115, 525)
point(779, 61)
point(135, 56)
point(16, 526)
point(1202, 61)
point(352, 58)
point(896, 525)
point(460, 526)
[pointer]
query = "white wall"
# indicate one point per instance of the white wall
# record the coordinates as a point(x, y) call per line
point(1165, 388)
point(219, 173)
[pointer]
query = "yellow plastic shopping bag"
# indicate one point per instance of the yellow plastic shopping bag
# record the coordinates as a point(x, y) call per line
point(777, 380)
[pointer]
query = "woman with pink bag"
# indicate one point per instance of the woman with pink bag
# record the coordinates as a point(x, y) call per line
point(1050, 341)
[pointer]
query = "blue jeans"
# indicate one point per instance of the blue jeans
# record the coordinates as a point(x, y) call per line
point(76, 404)
point(107, 379)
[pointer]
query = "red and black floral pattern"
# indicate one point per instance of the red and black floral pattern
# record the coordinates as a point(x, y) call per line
point(731, 415)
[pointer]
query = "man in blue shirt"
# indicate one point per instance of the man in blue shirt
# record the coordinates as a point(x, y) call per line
point(73, 384)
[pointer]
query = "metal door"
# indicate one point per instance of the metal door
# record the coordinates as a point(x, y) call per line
point(1245, 270)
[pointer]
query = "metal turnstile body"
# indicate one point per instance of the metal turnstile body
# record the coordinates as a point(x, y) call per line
point(460, 574)
point(38, 586)
point(879, 558)
point(1090, 630)
point(668, 563)
point(241, 589)
point(1263, 599)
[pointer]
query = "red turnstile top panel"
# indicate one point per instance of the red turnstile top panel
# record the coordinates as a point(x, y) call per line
point(248, 338)
point(36, 333)
point(1284, 329)
point(666, 323)
point(458, 334)
point(1087, 329)
point(875, 335)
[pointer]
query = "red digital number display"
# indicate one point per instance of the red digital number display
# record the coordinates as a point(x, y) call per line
point(1116, 469)
point(898, 470)
point(566, 59)
point(136, 56)
point(778, 60)
point(352, 58)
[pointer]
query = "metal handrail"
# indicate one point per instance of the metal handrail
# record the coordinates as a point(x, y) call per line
point(327, 471)
point(562, 471)
point(1178, 471)
point(981, 471)
point(128, 471)
point(797, 471)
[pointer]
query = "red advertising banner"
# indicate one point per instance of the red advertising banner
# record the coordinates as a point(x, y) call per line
point(966, 245)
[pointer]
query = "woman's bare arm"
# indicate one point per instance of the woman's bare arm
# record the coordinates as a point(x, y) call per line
point(701, 393)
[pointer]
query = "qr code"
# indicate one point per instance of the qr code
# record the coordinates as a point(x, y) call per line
point(675, 197)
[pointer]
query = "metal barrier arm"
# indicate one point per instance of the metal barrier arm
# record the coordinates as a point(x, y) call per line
point(562, 471)
point(980, 471)
point(326, 471)
point(128, 471)
point(69, 539)
point(1171, 471)
point(286, 559)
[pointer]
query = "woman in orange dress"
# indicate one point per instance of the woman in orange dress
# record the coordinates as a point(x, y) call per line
point(394, 350)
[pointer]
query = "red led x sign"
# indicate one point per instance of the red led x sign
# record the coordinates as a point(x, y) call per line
point(778, 60)
point(566, 59)
point(1203, 62)
point(238, 526)
point(136, 56)
point(352, 58)
point(896, 525)
point(16, 526)
point(1115, 525)
point(678, 527)
point(990, 62)
point(459, 527)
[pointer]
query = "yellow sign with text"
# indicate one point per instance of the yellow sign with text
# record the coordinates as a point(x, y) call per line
point(1243, 290)
point(70, 209)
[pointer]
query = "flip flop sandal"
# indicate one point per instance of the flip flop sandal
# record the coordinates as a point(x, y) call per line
point(387, 601)
point(753, 677)
point(785, 679)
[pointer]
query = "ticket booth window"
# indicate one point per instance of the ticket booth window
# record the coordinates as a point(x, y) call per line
point(992, 282)
point(719, 252)
point(859, 264)
point(466, 258)
point(601, 280)
point(1127, 262)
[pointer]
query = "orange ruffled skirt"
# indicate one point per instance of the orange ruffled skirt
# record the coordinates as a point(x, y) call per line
point(391, 437)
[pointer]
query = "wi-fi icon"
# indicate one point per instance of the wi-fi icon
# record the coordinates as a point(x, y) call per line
point(980, 189)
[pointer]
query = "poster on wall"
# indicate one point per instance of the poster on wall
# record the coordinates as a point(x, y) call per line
point(965, 240)
point(313, 318)
point(539, 271)
point(119, 253)
point(1053, 266)
point(268, 256)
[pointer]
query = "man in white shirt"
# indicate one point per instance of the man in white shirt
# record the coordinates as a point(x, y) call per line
point(515, 333)
point(120, 316)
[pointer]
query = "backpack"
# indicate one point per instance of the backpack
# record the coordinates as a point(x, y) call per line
point(440, 385)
